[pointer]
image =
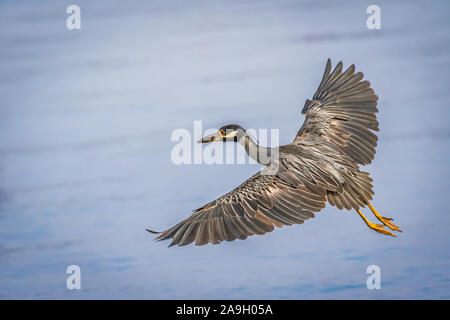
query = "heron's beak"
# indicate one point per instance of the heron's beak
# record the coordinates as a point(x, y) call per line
point(211, 138)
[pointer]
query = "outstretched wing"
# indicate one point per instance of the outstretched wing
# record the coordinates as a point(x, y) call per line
point(255, 207)
point(342, 111)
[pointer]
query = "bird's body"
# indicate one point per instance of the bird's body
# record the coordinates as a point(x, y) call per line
point(321, 165)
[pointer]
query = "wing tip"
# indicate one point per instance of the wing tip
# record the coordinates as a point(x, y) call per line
point(172, 244)
point(152, 231)
point(160, 236)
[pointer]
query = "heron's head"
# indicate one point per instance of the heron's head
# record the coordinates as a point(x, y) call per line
point(228, 133)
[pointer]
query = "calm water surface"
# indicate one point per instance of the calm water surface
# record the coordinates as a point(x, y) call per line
point(85, 123)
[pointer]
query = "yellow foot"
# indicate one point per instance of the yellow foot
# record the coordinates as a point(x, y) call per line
point(377, 227)
point(386, 221)
point(380, 229)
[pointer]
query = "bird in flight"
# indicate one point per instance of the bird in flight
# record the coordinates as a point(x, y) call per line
point(320, 165)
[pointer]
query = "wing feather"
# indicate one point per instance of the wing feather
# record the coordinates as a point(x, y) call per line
point(342, 111)
point(257, 206)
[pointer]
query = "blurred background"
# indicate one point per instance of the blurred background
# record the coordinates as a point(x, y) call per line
point(86, 118)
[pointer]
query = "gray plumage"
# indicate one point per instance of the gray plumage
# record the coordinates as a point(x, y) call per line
point(320, 165)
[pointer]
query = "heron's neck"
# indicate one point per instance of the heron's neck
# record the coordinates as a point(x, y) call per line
point(260, 154)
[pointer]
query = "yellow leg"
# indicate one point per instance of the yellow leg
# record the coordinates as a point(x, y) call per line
point(386, 221)
point(374, 226)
